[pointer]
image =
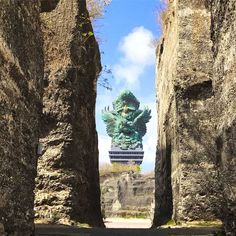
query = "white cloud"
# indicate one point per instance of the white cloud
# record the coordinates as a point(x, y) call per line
point(127, 73)
point(137, 54)
point(136, 46)
point(103, 100)
point(150, 139)
point(104, 141)
point(104, 145)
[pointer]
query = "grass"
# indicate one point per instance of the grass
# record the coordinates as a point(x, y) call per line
point(205, 223)
point(171, 223)
point(196, 223)
point(128, 214)
point(115, 168)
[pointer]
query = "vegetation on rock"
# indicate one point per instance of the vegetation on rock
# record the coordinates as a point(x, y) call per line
point(107, 169)
point(96, 8)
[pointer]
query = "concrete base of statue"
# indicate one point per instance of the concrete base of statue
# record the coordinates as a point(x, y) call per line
point(118, 155)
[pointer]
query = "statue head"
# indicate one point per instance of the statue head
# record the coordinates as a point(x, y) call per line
point(126, 101)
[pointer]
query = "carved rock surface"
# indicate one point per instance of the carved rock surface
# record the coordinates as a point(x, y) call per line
point(184, 86)
point(223, 28)
point(195, 86)
point(127, 194)
point(67, 188)
point(21, 77)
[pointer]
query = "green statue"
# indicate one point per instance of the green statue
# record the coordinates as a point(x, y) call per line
point(126, 124)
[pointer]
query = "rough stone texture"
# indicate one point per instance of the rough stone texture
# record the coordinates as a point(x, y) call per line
point(67, 188)
point(184, 85)
point(127, 194)
point(2, 230)
point(195, 165)
point(224, 50)
point(21, 76)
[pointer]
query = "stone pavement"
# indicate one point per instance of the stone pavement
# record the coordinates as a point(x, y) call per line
point(133, 223)
point(57, 230)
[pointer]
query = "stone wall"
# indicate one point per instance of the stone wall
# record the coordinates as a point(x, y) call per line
point(21, 76)
point(184, 86)
point(223, 31)
point(127, 194)
point(67, 188)
point(195, 87)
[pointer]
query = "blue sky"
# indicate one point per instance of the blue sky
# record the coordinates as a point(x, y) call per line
point(126, 35)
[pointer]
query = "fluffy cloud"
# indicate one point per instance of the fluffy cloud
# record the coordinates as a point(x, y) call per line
point(150, 139)
point(103, 100)
point(137, 54)
point(104, 145)
point(136, 46)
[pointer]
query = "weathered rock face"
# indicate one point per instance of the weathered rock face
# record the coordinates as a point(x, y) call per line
point(127, 194)
point(184, 86)
point(21, 77)
point(191, 95)
point(68, 181)
point(224, 76)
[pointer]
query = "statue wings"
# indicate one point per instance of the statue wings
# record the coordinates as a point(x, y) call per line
point(142, 117)
point(110, 120)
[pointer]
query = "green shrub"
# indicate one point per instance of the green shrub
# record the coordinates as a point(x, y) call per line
point(118, 168)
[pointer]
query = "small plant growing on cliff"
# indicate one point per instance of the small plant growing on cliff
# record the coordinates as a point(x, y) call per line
point(104, 77)
point(96, 8)
point(162, 12)
point(171, 223)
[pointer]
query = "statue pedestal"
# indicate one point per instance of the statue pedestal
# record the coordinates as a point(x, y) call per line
point(118, 155)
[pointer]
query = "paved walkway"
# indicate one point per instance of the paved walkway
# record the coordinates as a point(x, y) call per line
point(127, 223)
point(57, 230)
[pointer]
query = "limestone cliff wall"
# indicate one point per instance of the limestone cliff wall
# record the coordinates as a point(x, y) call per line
point(192, 95)
point(184, 87)
point(67, 188)
point(223, 31)
point(127, 194)
point(21, 76)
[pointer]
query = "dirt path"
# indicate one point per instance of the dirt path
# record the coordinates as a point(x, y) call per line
point(127, 223)
point(60, 230)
